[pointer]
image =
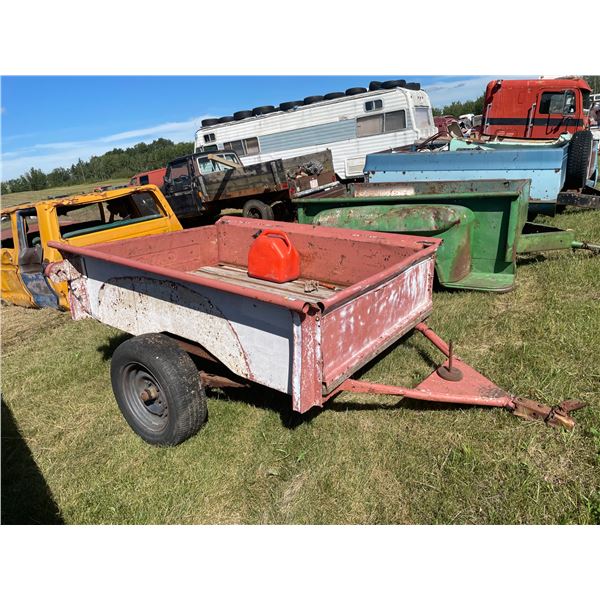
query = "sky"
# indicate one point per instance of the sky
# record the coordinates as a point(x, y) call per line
point(50, 122)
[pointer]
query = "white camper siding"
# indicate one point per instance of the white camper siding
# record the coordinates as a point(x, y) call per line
point(327, 133)
point(325, 125)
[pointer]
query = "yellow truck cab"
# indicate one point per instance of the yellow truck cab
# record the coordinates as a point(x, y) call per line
point(78, 220)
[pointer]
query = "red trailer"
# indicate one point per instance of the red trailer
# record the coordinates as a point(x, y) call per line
point(189, 292)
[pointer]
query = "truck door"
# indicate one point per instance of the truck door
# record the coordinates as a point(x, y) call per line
point(12, 287)
point(180, 189)
point(29, 258)
point(557, 112)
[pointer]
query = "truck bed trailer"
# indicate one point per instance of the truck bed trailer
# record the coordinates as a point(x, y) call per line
point(189, 293)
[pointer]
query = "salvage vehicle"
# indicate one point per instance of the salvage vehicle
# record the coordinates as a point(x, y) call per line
point(537, 109)
point(204, 183)
point(357, 293)
point(563, 172)
point(483, 224)
point(75, 220)
point(538, 129)
point(154, 177)
point(351, 124)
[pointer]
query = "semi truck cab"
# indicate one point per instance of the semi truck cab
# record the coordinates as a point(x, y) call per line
point(538, 109)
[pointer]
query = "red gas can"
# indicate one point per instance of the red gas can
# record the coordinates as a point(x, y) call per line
point(272, 257)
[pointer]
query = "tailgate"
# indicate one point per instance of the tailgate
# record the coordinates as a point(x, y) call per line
point(358, 330)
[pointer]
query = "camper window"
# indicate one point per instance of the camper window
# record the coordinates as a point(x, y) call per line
point(395, 121)
point(251, 146)
point(243, 147)
point(209, 137)
point(422, 118)
point(373, 105)
point(371, 125)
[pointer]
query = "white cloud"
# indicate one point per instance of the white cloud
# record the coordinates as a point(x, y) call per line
point(442, 94)
point(47, 156)
point(470, 88)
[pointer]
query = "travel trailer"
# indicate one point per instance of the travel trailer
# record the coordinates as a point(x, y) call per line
point(350, 124)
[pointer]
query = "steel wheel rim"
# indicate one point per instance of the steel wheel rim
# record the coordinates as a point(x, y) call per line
point(254, 213)
point(151, 411)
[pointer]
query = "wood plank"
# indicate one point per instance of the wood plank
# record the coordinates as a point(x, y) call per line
point(239, 275)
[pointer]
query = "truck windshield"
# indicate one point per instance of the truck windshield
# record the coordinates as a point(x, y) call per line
point(84, 219)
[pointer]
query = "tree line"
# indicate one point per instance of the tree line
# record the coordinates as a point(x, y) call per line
point(115, 164)
point(461, 108)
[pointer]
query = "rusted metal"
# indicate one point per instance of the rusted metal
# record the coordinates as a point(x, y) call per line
point(191, 285)
point(471, 388)
point(450, 372)
point(220, 381)
point(555, 416)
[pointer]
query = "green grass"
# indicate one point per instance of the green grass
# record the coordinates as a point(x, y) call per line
point(21, 197)
point(68, 455)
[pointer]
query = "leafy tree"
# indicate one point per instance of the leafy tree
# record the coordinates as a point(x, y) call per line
point(594, 82)
point(461, 108)
point(36, 179)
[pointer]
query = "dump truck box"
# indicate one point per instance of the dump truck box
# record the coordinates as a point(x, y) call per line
point(545, 165)
point(483, 224)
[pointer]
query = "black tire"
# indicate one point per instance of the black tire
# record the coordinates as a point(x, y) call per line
point(313, 99)
point(227, 119)
point(413, 85)
point(333, 95)
point(356, 90)
point(393, 83)
point(290, 105)
point(257, 209)
point(174, 408)
point(263, 110)
point(242, 114)
point(209, 122)
point(578, 159)
point(374, 85)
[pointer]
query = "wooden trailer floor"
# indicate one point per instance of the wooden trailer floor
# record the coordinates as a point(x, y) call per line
point(298, 288)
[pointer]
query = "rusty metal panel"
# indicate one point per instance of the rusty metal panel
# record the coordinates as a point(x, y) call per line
point(251, 338)
point(354, 333)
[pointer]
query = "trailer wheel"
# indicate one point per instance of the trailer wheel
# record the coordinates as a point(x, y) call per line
point(578, 159)
point(158, 390)
point(256, 209)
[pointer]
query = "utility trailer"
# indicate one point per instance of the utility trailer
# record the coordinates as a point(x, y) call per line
point(189, 293)
point(482, 224)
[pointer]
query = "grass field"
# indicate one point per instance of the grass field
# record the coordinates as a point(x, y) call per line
point(20, 197)
point(68, 455)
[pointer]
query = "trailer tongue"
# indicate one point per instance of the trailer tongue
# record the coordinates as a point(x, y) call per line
point(189, 293)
